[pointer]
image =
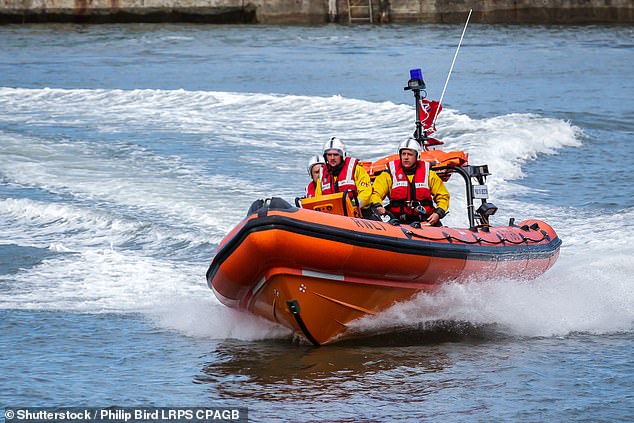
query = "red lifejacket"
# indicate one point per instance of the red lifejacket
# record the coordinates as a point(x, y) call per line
point(345, 178)
point(310, 189)
point(404, 192)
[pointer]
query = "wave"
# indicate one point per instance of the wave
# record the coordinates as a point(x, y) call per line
point(267, 132)
point(70, 228)
point(118, 175)
point(577, 296)
point(283, 121)
point(97, 281)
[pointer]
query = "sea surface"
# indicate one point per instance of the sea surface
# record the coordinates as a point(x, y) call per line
point(127, 152)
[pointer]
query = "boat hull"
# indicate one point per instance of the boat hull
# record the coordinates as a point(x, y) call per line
point(315, 273)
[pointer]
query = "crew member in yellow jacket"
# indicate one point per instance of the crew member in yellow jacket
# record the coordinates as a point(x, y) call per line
point(412, 188)
point(343, 173)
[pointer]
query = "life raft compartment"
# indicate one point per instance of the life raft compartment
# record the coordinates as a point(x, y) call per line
point(437, 158)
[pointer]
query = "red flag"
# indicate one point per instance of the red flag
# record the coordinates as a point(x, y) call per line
point(428, 112)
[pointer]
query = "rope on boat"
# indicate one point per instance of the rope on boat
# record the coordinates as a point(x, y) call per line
point(478, 240)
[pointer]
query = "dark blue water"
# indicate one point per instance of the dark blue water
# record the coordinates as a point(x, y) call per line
point(127, 152)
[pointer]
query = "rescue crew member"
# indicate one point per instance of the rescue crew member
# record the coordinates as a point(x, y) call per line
point(315, 164)
point(341, 173)
point(412, 188)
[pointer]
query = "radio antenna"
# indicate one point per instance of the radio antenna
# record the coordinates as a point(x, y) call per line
point(451, 68)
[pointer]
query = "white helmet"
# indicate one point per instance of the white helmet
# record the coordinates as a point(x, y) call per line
point(410, 144)
point(335, 144)
point(316, 159)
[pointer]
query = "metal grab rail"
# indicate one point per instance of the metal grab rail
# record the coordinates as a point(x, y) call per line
point(467, 172)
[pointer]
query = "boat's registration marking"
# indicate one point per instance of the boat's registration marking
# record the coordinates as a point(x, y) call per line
point(322, 275)
point(480, 192)
point(369, 224)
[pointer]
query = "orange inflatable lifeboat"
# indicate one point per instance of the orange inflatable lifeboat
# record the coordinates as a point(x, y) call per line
point(317, 267)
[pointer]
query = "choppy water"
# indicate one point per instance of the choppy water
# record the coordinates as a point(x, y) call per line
point(128, 152)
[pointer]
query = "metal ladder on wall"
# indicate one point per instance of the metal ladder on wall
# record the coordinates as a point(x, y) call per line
point(362, 12)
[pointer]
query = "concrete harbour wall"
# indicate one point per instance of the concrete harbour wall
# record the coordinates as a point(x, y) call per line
point(311, 12)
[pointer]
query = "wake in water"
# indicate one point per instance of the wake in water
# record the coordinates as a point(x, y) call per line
point(572, 297)
point(131, 191)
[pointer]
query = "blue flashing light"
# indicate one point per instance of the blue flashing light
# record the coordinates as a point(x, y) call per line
point(416, 80)
point(416, 74)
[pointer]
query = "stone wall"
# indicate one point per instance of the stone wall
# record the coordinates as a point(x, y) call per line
point(513, 11)
point(101, 11)
point(319, 11)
